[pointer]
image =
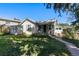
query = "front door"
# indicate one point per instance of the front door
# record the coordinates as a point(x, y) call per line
point(44, 28)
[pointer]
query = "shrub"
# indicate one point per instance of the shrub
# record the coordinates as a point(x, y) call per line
point(1, 33)
point(68, 33)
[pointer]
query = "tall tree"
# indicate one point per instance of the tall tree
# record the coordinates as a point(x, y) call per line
point(71, 8)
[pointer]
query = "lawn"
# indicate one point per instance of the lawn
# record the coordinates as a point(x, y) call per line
point(11, 45)
point(74, 41)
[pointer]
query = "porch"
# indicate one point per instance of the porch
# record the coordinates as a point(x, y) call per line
point(46, 28)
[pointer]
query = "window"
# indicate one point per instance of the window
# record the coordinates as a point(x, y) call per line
point(49, 27)
point(59, 28)
point(39, 28)
point(56, 28)
point(20, 27)
point(29, 28)
point(52, 26)
point(7, 22)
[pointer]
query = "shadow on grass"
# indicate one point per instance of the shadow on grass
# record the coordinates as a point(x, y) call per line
point(7, 48)
point(43, 48)
point(32, 46)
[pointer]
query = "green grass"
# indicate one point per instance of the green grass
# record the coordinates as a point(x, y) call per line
point(74, 41)
point(34, 45)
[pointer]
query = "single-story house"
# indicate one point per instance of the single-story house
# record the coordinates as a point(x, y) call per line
point(30, 27)
point(41, 27)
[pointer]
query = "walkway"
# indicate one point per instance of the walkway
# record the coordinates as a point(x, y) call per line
point(71, 47)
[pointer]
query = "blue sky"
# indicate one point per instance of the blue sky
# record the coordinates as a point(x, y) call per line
point(34, 11)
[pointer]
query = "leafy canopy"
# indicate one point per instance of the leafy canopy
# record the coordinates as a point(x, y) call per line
point(71, 8)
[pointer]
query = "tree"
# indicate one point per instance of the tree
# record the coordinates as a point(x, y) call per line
point(71, 8)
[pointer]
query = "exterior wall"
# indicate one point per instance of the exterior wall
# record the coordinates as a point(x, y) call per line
point(13, 29)
point(49, 28)
point(50, 31)
point(12, 23)
point(25, 27)
point(9, 25)
point(58, 32)
point(35, 30)
point(2, 22)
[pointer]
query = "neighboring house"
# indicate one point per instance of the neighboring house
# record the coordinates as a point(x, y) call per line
point(10, 24)
point(60, 27)
point(58, 31)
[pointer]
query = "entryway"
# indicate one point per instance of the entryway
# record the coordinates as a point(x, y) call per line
point(44, 28)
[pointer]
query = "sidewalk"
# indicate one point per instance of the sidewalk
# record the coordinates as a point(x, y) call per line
point(71, 47)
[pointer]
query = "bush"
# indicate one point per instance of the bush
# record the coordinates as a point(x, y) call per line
point(68, 33)
point(1, 33)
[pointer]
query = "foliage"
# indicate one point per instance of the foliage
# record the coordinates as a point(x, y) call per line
point(4, 30)
point(70, 8)
point(1, 33)
point(68, 33)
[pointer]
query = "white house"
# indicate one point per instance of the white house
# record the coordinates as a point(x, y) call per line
point(43, 27)
point(29, 27)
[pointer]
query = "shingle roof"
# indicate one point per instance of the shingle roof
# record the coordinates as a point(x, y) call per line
point(29, 21)
point(9, 20)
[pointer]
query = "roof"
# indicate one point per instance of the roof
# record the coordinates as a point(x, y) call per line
point(64, 25)
point(9, 20)
point(45, 22)
point(29, 21)
point(41, 22)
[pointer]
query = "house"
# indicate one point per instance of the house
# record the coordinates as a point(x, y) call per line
point(60, 27)
point(43, 27)
point(30, 27)
point(10, 26)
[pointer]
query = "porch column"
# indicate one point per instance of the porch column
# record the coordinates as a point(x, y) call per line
point(51, 26)
point(47, 28)
point(41, 29)
point(51, 29)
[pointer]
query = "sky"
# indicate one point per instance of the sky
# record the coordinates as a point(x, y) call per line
point(33, 11)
